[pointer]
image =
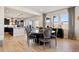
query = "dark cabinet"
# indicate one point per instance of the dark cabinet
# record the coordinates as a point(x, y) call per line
point(6, 21)
point(60, 33)
point(19, 23)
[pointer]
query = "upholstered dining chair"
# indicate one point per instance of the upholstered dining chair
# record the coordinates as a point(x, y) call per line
point(30, 37)
point(54, 36)
point(46, 37)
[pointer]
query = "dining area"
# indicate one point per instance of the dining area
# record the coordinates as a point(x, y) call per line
point(46, 32)
point(42, 36)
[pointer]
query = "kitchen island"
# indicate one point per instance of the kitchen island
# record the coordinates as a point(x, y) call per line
point(15, 31)
point(19, 31)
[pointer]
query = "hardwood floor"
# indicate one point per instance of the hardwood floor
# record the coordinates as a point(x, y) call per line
point(19, 44)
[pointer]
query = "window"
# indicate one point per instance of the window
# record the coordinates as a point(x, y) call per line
point(55, 18)
point(64, 17)
point(30, 22)
point(60, 19)
point(47, 21)
point(64, 21)
point(55, 21)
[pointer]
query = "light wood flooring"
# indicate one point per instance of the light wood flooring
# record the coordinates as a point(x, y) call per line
point(19, 44)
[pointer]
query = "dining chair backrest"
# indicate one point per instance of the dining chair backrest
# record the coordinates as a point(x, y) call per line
point(47, 33)
point(27, 30)
point(56, 32)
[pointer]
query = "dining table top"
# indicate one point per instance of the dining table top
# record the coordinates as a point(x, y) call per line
point(36, 31)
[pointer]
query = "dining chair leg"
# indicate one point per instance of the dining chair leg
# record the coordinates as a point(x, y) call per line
point(28, 42)
point(34, 41)
point(56, 42)
point(39, 43)
point(49, 44)
point(44, 45)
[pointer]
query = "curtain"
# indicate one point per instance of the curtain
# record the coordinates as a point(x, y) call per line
point(71, 32)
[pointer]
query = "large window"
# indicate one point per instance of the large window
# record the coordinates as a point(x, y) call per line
point(30, 22)
point(64, 18)
point(64, 21)
point(55, 21)
point(47, 21)
point(60, 19)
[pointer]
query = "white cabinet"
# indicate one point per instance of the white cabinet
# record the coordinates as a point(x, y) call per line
point(18, 31)
point(1, 24)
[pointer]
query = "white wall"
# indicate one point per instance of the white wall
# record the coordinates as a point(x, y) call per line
point(35, 18)
point(1, 25)
point(77, 22)
point(40, 20)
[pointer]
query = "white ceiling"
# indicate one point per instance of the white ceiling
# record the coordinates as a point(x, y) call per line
point(45, 9)
point(29, 11)
point(13, 13)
